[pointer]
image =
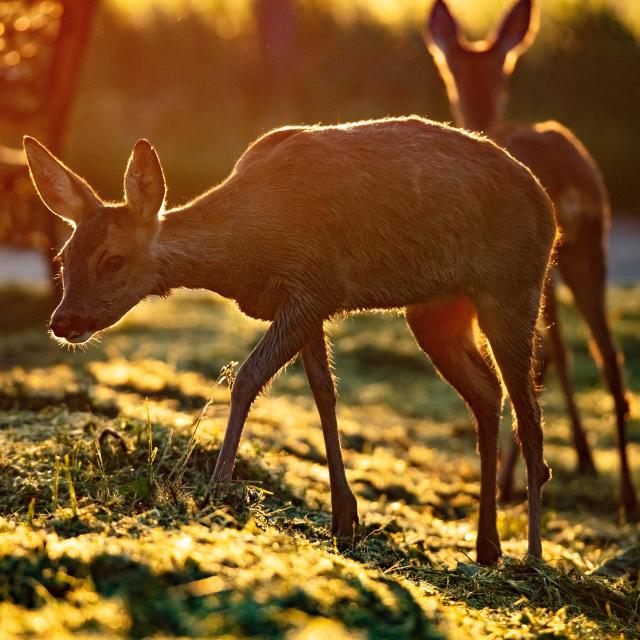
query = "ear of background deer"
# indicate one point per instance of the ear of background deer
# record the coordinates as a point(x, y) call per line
point(441, 30)
point(62, 191)
point(518, 29)
point(144, 184)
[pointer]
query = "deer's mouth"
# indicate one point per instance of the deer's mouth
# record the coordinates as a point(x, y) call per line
point(77, 337)
point(72, 336)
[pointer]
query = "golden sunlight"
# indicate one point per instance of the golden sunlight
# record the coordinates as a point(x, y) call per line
point(232, 16)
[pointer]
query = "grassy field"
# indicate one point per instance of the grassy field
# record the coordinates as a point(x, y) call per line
point(106, 528)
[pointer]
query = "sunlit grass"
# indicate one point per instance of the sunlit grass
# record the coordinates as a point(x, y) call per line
point(106, 527)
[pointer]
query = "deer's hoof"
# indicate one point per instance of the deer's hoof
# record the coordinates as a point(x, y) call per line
point(220, 487)
point(534, 553)
point(344, 528)
point(488, 552)
point(344, 519)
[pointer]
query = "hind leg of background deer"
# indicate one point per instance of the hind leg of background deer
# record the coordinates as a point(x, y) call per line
point(509, 328)
point(590, 298)
point(282, 341)
point(560, 359)
point(444, 330)
point(316, 360)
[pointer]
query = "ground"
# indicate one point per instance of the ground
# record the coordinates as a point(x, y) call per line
point(108, 526)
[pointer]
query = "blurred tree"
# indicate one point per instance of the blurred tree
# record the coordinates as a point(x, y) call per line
point(276, 29)
point(202, 94)
point(44, 43)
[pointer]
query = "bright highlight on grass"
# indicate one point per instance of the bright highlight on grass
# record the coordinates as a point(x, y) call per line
point(262, 562)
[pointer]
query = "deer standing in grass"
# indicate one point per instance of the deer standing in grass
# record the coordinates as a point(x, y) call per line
point(476, 76)
point(318, 221)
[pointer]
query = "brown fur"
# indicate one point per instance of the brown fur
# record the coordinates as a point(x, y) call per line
point(476, 77)
point(317, 221)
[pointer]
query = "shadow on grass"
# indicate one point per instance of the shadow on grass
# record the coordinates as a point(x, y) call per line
point(504, 590)
point(189, 600)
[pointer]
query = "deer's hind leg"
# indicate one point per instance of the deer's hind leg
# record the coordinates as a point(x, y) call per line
point(444, 329)
point(551, 349)
point(560, 359)
point(509, 326)
point(316, 356)
point(588, 285)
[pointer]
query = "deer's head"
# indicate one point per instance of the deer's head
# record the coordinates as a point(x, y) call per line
point(108, 263)
point(476, 74)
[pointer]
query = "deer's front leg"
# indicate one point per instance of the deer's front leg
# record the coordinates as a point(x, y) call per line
point(315, 357)
point(282, 341)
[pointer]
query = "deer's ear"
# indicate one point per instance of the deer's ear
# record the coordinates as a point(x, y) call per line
point(144, 185)
point(518, 29)
point(62, 191)
point(440, 31)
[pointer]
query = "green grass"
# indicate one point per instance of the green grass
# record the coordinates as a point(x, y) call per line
point(107, 528)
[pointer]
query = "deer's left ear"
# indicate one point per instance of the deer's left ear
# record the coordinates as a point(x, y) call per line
point(518, 29)
point(62, 191)
point(144, 184)
point(440, 31)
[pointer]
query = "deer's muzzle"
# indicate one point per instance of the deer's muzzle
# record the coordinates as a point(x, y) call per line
point(72, 328)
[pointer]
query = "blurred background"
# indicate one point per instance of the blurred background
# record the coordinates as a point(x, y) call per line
point(202, 78)
point(126, 530)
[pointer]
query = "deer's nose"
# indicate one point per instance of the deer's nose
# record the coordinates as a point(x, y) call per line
point(70, 326)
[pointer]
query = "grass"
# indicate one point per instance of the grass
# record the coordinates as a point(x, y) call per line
point(107, 527)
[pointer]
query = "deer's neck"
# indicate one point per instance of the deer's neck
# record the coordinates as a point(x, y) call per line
point(479, 115)
point(192, 250)
point(478, 122)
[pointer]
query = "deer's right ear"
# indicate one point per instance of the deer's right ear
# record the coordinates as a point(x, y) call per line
point(518, 29)
point(62, 191)
point(144, 184)
point(441, 30)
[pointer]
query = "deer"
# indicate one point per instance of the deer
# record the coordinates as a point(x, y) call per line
point(315, 222)
point(476, 76)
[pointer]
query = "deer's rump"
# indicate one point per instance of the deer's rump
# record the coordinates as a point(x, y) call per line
point(566, 170)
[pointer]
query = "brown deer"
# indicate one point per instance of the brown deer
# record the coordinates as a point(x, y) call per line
point(317, 221)
point(476, 76)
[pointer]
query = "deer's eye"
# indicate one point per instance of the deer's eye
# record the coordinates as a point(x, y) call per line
point(113, 264)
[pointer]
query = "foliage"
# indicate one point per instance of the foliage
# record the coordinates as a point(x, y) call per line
point(202, 93)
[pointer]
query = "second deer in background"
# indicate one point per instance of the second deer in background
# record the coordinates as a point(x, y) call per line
point(476, 77)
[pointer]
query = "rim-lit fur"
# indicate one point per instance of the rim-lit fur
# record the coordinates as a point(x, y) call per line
point(317, 221)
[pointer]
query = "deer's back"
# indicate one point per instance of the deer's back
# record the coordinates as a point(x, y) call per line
point(566, 170)
point(386, 213)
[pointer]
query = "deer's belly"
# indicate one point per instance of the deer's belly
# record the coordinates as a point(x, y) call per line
point(264, 302)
